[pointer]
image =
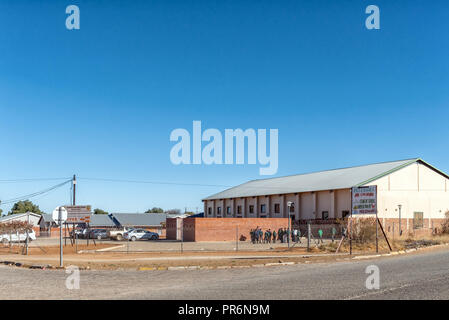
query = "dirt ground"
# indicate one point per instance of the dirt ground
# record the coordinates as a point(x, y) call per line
point(90, 258)
point(103, 256)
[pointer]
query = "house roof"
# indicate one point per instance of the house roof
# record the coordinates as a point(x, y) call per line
point(129, 219)
point(126, 219)
point(323, 180)
point(18, 215)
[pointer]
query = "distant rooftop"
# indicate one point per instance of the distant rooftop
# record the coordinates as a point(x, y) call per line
point(126, 219)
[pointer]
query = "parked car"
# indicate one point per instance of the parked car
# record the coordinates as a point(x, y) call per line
point(117, 234)
point(6, 238)
point(140, 234)
point(81, 233)
point(98, 234)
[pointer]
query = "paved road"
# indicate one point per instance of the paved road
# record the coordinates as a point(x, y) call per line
point(417, 276)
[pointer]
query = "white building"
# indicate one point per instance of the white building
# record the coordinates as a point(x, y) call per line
point(420, 189)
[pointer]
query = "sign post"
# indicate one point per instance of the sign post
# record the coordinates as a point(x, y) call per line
point(60, 216)
point(364, 201)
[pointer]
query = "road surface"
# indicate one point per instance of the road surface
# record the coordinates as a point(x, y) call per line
point(422, 275)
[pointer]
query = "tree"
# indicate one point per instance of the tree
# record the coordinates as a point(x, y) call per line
point(23, 207)
point(174, 211)
point(100, 211)
point(1, 211)
point(155, 210)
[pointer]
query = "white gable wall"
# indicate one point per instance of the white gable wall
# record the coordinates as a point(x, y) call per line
point(417, 188)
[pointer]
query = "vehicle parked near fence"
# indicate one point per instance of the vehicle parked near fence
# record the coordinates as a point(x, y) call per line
point(81, 233)
point(117, 234)
point(98, 234)
point(140, 234)
point(6, 238)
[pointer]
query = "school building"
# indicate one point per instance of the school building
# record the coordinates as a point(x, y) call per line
point(411, 189)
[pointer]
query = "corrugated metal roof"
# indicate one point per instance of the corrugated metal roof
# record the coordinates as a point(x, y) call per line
point(126, 219)
point(315, 181)
point(18, 215)
point(129, 219)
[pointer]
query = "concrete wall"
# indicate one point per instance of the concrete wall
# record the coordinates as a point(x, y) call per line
point(418, 189)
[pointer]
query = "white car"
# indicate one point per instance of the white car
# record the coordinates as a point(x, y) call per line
point(6, 238)
point(21, 237)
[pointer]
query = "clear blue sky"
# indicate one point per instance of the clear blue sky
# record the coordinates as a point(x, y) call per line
point(101, 101)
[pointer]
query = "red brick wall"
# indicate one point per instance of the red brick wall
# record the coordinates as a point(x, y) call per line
point(171, 228)
point(220, 229)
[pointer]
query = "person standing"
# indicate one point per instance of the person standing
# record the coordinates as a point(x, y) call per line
point(320, 235)
point(334, 232)
point(274, 236)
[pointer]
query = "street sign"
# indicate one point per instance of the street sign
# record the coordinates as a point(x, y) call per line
point(78, 214)
point(364, 200)
point(55, 215)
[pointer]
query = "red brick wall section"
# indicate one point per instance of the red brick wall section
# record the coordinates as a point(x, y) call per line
point(171, 228)
point(220, 229)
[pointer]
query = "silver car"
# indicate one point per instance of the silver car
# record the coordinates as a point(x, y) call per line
point(140, 234)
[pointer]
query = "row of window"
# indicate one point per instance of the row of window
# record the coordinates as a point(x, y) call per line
point(263, 209)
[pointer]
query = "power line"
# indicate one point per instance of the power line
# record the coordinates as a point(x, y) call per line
point(154, 182)
point(30, 180)
point(34, 194)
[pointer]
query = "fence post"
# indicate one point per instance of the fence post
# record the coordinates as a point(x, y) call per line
point(237, 238)
point(393, 231)
point(308, 235)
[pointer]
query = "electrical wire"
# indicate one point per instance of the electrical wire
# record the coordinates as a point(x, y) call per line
point(34, 194)
point(30, 180)
point(153, 182)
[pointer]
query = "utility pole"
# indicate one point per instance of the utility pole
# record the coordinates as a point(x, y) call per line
point(74, 189)
point(61, 264)
point(27, 241)
point(289, 205)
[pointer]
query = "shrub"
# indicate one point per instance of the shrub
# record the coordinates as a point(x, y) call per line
point(363, 229)
point(445, 225)
point(15, 226)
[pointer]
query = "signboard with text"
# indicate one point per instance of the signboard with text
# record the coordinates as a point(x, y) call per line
point(78, 214)
point(364, 200)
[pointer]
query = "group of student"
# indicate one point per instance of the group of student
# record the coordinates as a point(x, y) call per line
point(270, 236)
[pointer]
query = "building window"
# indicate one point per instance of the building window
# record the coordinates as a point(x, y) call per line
point(324, 215)
point(263, 208)
point(209, 211)
point(344, 213)
point(277, 208)
point(418, 220)
point(251, 209)
point(218, 210)
point(228, 210)
point(239, 209)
